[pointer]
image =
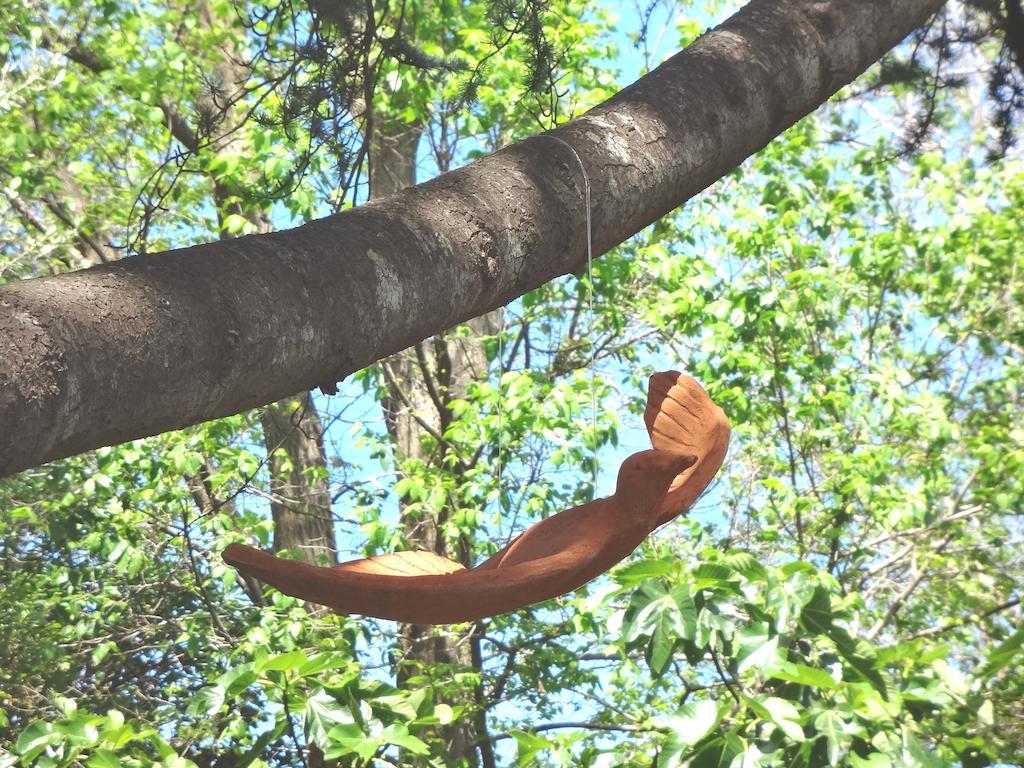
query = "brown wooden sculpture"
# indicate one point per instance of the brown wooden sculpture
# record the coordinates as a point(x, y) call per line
point(690, 435)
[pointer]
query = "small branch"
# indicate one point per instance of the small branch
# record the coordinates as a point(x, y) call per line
point(291, 725)
point(201, 583)
point(972, 619)
point(916, 532)
point(397, 390)
point(725, 679)
point(428, 382)
point(176, 123)
point(66, 218)
point(908, 590)
point(25, 212)
point(487, 757)
point(203, 498)
point(583, 726)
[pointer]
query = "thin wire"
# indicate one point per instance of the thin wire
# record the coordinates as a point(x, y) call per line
point(501, 409)
point(590, 302)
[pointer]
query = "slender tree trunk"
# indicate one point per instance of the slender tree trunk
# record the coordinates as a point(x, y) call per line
point(420, 382)
point(301, 503)
point(293, 433)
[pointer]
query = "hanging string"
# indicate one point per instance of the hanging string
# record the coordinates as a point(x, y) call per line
point(501, 408)
point(590, 302)
point(593, 355)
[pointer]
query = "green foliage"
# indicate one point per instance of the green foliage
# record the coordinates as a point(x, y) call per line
point(845, 595)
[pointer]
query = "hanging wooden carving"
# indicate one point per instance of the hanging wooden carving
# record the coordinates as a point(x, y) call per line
point(690, 435)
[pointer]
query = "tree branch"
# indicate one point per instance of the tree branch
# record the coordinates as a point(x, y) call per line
point(906, 592)
point(161, 341)
point(581, 724)
point(974, 618)
point(176, 123)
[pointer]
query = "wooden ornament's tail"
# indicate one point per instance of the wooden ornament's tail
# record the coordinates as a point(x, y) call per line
point(681, 417)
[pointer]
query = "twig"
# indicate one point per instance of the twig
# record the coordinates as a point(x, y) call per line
point(583, 725)
point(973, 618)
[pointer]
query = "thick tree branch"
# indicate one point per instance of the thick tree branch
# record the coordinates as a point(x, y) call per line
point(160, 341)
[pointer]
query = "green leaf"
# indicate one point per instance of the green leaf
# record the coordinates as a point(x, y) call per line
point(662, 621)
point(872, 760)
point(35, 738)
point(322, 661)
point(344, 740)
point(237, 679)
point(79, 729)
point(207, 700)
point(691, 723)
point(283, 661)
point(859, 655)
point(915, 755)
point(404, 704)
point(713, 575)
point(754, 648)
point(785, 715)
point(103, 758)
point(235, 224)
point(528, 745)
point(444, 714)
point(323, 713)
point(816, 616)
point(254, 752)
point(399, 735)
point(832, 726)
point(720, 752)
point(802, 674)
point(1004, 654)
point(986, 713)
point(870, 705)
point(687, 611)
point(746, 564)
point(276, 167)
point(638, 572)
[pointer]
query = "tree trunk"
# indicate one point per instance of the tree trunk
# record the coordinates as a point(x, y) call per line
point(419, 383)
point(293, 433)
point(301, 499)
point(161, 341)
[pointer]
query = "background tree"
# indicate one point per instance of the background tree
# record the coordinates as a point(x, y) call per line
point(847, 594)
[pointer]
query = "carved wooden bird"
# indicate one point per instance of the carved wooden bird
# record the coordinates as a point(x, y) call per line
point(690, 435)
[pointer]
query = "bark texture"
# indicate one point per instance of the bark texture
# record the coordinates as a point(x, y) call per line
point(160, 341)
point(293, 433)
point(300, 497)
point(420, 382)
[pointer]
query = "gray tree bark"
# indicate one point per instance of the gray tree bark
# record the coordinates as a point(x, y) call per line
point(293, 433)
point(300, 497)
point(420, 382)
point(161, 341)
